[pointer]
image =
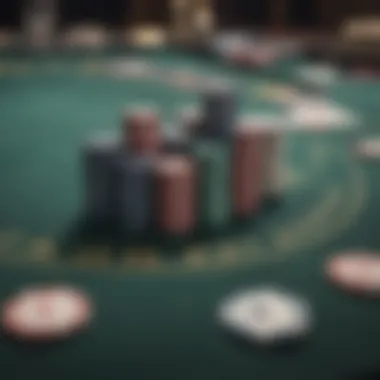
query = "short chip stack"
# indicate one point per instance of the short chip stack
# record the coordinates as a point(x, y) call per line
point(214, 170)
point(176, 191)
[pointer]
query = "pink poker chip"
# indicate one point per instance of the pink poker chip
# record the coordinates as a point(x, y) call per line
point(357, 271)
point(46, 313)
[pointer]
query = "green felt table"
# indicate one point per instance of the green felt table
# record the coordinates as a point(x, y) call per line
point(155, 313)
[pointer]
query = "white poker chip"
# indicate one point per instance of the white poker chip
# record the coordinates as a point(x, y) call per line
point(46, 313)
point(369, 148)
point(266, 316)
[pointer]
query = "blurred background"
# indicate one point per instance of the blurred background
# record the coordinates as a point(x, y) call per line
point(289, 15)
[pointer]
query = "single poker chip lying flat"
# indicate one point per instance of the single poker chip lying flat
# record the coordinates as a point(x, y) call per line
point(46, 313)
point(356, 271)
point(266, 316)
point(369, 148)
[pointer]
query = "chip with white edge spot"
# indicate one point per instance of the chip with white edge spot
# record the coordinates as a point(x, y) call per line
point(266, 315)
point(45, 313)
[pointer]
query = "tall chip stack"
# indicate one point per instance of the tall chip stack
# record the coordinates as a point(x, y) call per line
point(132, 193)
point(214, 165)
point(176, 195)
point(99, 154)
point(219, 112)
point(247, 169)
point(132, 171)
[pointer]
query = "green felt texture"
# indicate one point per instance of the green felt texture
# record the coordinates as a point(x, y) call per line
point(155, 313)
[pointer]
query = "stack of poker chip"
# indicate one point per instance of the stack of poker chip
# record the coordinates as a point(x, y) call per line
point(176, 194)
point(99, 154)
point(248, 166)
point(204, 175)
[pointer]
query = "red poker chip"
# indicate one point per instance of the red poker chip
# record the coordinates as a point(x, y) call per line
point(357, 271)
point(46, 313)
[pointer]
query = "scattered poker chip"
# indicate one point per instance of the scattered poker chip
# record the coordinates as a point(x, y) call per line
point(356, 271)
point(266, 316)
point(369, 148)
point(44, 314)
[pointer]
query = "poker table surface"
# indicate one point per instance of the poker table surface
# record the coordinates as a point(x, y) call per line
point(155, 312)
